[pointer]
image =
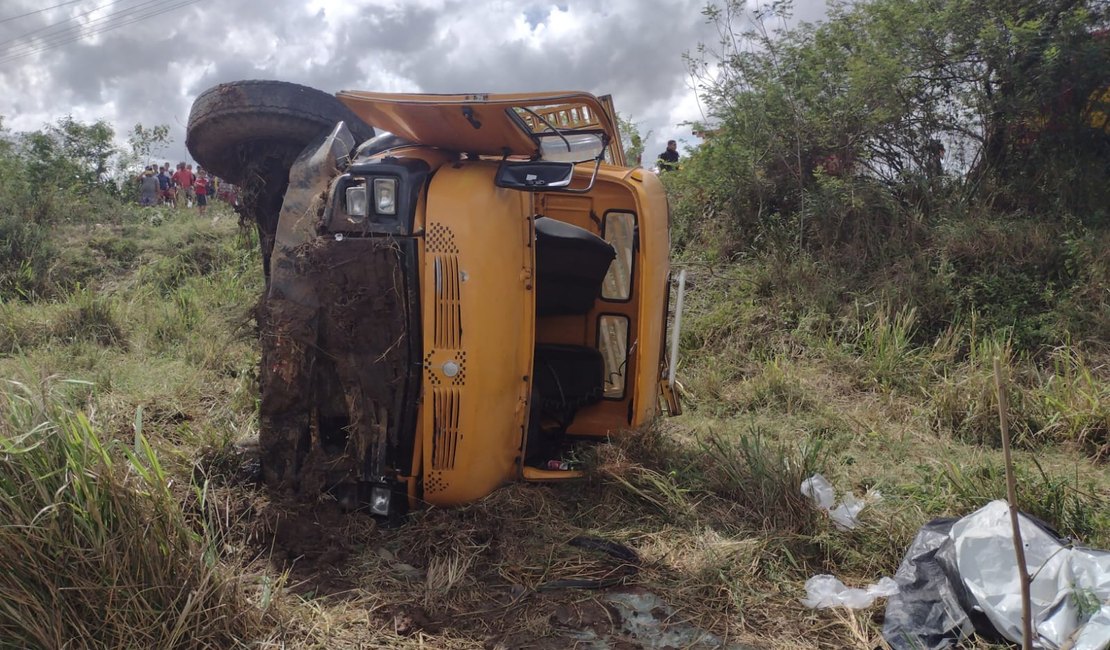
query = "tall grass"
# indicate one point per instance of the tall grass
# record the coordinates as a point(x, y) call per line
point(96, 550)
point(90, 317)
point(1067, 503)
point(1076, 402)
point(884, 344)
point(763, 477)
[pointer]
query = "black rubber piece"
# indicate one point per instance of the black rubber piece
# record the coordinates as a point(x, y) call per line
point(227, 120)
point(617, 550)
point(630, 565)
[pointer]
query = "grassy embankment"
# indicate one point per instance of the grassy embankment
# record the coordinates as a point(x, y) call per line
point(134, 370)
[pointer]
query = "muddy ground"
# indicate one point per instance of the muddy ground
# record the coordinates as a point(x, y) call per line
point(510, 571)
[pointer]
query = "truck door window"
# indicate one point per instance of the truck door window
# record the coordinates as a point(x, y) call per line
point(619, 229)
point(612, 342)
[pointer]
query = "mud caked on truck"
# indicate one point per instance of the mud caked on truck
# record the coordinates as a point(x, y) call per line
point(451, 304)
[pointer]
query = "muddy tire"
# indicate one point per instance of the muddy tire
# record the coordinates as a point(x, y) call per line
point(250, 133)
point(230, 120)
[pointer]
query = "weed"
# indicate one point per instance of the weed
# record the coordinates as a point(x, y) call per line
point(26, 251)
point(1077, 404)
point(884, 345)
point(91, 318)
point(20, 330)
point(762, 477)
point(1065, 503)
point(658, 489)
point(96, 549)
point(776, 386)
point(121, 252)
point(965, 400)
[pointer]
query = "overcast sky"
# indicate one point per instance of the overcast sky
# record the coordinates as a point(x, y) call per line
point(162, 53)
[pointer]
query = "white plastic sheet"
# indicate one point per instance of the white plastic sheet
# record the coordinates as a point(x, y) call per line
point(960, 577)
point(1063, 578)
point(824, 591)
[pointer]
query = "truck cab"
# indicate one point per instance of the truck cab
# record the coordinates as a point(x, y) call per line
point(461, 301)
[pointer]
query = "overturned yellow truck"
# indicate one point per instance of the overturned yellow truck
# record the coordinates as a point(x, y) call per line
point(454, 302)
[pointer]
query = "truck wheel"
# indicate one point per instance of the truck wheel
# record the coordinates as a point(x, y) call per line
point(250, 133)
point(226, 120)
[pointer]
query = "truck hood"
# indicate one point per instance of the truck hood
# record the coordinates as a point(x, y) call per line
point(485, 124)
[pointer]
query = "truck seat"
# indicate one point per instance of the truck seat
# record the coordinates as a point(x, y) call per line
point(571, 263)
point(566, 378)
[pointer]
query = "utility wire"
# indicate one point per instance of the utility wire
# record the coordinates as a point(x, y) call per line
point(151, 13)
point(60, 29)
point(38, 42)
point(37, 11)
point(60, 22)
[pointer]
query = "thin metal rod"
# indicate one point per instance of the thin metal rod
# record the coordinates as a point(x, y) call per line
point(677, 326)
point(1011, 497)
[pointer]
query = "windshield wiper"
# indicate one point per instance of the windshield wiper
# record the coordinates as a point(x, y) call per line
point(548, 124)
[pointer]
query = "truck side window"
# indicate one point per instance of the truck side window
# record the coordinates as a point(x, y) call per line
point(620, 231)
point(612, 342)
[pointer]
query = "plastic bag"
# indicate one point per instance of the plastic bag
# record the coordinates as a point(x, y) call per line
point(845, 515)
point(960, 577)
point(824, 591)
point(985, 558)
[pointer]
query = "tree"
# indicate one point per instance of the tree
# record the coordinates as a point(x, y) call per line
point(631, 140)
point(89, 147)
point(897, 100)
point(143, 142)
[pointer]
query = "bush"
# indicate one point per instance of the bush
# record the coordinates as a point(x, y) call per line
point(829, 152)
point(762, 478)
point(26, 253)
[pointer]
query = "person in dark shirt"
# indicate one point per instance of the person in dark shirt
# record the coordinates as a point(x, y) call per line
point(148, 187)
point(165, 186)
point(668, 160)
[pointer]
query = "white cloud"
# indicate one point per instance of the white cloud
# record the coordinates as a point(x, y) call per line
point(151, 70)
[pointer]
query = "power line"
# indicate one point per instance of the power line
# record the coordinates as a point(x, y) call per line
point(151, 13)
point(60, 30)
point(37, 11)
point(60, 22)
point(86, 34)
point(76, 30)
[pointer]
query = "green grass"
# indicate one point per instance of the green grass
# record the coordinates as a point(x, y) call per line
point(912, 417)
point(785, 375)
point(97, 550)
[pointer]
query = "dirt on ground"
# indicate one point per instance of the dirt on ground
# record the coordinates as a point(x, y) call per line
point(511, 571)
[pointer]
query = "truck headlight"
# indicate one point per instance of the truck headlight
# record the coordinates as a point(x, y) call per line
point(385, 195)
point(356, 202)
point(380, 497)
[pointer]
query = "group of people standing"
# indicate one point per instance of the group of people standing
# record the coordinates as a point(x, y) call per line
point(179, 188)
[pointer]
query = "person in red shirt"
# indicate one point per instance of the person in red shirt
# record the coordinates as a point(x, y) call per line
point(189, 187)
point(183, 179)
point(200, 189)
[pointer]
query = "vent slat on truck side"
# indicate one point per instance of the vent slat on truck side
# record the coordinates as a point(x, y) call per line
point(448, 306)
point(445, 435)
